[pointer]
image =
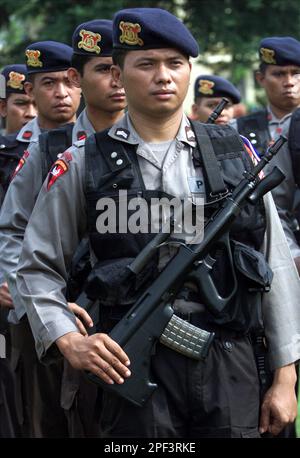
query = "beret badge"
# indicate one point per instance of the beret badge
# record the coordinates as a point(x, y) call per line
point(15, 80)
point(33, 58)
point(130, 33)
point(268, 55)
point(89, 41)
point(206, 86)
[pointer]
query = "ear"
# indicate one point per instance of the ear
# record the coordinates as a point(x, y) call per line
point(259, 76)
point(117, 75)
point(28, 88)
point(3, 108)
point(194, 110)
point(74, 76)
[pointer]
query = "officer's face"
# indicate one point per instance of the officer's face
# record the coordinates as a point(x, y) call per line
point(282, 86)
point(99, 88)
point(155, 81)
point(18, 109)
point(57, 99)
point(204, 106)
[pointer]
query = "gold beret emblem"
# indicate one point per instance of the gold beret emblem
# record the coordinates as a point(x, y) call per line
point(15, 80)
point(130, 33)
point(89, 41)
point(33, 58)
point(205, 87)
point(268, 55)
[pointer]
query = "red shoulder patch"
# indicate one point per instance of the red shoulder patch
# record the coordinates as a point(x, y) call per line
point(59, 168)
point(20, 164)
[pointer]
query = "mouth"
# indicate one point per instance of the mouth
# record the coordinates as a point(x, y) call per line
point(163, 95)
point(118, 96)
point(61, 106)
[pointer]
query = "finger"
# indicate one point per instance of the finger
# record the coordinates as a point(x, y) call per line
point(101, 374)
point(116, 350)
point(6, 303)
point(81, 313)
point(276, 426)
point(112, 366)
point(81, 327)
point(264, 418)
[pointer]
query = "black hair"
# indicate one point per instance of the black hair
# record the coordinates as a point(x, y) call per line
point(78, 61)
point(118, 57)
point(263, 67)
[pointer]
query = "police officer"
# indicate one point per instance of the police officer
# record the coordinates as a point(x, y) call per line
point(208, 93)
point(151, 57)
point(91, 62)
point(9, 424)
point(279, 76)
point(57, 101)
point(18, 108)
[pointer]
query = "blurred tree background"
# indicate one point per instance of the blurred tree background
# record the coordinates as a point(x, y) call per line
point(229, 29)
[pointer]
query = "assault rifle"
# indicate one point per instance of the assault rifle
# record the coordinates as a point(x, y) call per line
point(152, 317)
point(217, 111)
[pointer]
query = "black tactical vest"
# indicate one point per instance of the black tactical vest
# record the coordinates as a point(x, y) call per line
point(112, 165)
point(294, 144)
point(52, 143)
point(255, 127)
point(11, 151)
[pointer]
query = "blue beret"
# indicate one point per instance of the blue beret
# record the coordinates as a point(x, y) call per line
point(15, 77)
point(216, 86)
point(151, 28)
point(48, 56)
point(280, 51)
point(93, 38)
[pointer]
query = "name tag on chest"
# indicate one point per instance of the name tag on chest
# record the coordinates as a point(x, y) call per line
point(196, 185)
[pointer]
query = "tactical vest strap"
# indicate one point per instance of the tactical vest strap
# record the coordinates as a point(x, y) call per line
point(294, 144)
point(52, 143)
point(255, 127)
point(209, 160)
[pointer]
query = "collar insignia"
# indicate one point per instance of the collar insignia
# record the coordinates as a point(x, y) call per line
point(122, 133)
point(190, 136)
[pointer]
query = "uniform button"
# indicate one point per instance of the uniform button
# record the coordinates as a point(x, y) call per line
point(115, 185)
point(253, 142)
point(252, 134)
point(113, 155)
point(2, 146)
point(119, 162)
point(227, 345)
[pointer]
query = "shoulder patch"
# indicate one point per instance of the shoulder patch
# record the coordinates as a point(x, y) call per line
point(59, 168)
point(20, 165)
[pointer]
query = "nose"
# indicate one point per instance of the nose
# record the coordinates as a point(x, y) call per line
point(31, 111)
point(162, 75)
point(291, 80)
point(61, 90)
